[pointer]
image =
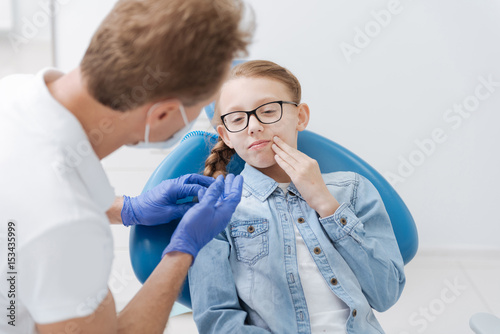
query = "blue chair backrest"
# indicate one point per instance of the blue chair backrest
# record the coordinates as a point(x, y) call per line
point(148, 242)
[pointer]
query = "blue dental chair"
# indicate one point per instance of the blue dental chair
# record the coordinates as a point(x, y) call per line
point(148, 242)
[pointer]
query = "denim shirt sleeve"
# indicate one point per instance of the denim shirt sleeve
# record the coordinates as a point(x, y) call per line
point(216, 307)
point(362, 233)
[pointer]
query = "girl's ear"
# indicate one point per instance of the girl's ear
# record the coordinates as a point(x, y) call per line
point(221, 130)
point(303, 116)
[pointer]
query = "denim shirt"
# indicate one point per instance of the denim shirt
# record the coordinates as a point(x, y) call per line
point(246, 280)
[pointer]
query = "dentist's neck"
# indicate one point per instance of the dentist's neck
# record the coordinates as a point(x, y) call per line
point(106, 129)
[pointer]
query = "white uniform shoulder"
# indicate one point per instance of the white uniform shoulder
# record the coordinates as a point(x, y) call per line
point(55, 190)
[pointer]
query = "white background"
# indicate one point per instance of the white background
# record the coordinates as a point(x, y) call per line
point(25, 44)
point(5, 15)
point(425, 57)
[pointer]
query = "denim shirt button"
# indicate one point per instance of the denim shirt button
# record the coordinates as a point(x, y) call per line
point(317, 250)
point(301, 220)
point(354, 313)
point(334, 281)
point(251, 229)
point(343, 221)
point(290, 193)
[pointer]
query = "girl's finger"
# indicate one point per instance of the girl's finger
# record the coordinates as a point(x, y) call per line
point(285, 166)
point(293, 152)
point(283, 155)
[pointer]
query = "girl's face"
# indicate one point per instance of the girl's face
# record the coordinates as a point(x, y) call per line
point(253, 144)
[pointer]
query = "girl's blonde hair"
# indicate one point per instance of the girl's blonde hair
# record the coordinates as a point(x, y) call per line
point(221, 154)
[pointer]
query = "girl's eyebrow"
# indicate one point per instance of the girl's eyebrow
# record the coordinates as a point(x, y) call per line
point(258, 103)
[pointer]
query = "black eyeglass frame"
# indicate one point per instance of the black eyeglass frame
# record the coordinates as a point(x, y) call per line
point(254, 112)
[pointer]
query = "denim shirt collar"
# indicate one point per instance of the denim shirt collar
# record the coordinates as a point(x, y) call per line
point(261, 185)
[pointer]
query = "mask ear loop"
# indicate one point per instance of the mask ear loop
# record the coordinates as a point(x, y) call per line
point(183, 113)
point(148, 127)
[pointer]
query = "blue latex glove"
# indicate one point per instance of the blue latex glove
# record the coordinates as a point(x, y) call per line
point(208, 218)
point(158, 205)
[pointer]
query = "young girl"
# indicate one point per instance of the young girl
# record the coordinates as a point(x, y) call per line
point(304, 252)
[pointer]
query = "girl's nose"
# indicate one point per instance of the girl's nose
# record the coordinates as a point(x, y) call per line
point(254, 125)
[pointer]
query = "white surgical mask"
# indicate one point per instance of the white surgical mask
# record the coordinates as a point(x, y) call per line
point(170, 141)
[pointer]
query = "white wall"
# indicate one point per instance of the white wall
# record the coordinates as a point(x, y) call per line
point(25, 44)
point(395, 91)
point(29, 19)
point(6, 15)
point(76, 22)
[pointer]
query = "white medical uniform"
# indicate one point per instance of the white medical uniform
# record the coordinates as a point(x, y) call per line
point(53, 187)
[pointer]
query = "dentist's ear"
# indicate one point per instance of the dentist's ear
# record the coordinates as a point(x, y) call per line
point(221, 130)
point(162, 109)
point(303, 116)
point(163, 119)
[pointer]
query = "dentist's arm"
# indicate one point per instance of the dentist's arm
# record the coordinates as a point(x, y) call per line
point(114, 212)
point(148, 311)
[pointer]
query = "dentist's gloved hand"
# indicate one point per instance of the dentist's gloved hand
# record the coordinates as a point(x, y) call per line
point(158, 205)
point(209, 217)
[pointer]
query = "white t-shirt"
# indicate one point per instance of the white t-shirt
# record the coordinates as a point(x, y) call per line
point(328, 313)
point(54, 195)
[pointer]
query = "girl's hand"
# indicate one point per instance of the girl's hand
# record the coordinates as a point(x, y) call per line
point(305, 174)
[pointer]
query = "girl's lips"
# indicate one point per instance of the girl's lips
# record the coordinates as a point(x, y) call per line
point(258, 144)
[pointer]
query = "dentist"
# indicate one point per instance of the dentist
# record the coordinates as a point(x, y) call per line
point(148, 71)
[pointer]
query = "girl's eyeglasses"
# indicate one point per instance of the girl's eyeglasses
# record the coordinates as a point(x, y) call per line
point(267, 113)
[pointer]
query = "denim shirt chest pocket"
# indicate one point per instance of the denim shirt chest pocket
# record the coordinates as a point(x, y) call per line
point(250, 239)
